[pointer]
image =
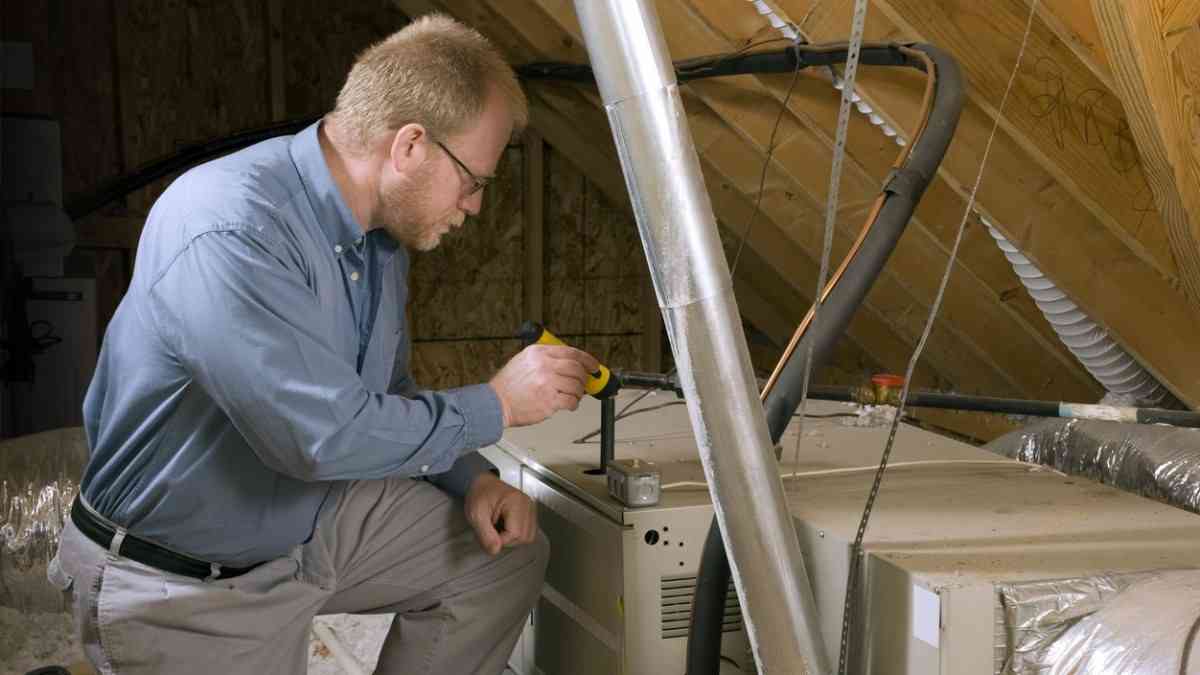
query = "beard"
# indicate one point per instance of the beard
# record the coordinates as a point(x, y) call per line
point(405, 213)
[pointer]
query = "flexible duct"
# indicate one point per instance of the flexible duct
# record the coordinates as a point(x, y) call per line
point(1111, 365)
point(1159, 462)
point(695, 291)
point(1150, 628)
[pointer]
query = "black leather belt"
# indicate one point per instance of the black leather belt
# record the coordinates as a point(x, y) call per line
point(149, 553)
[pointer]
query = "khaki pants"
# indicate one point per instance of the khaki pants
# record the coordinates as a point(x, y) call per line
point(380, 546)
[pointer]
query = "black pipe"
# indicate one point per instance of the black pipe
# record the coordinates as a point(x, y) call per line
point(608, 431)
point(766, 62)
point(117, 188)
point(690, 69)
point(1014, 406)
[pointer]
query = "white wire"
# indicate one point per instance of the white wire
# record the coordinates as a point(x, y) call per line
point(874, 467)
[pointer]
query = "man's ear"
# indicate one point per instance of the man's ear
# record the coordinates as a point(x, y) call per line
point(409, 147)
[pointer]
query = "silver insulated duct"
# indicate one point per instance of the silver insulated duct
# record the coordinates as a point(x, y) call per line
point(695, 291)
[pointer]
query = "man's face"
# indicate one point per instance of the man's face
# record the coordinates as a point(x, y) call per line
point(435, 197)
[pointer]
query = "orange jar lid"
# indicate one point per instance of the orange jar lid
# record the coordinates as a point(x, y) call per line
point(887, 380)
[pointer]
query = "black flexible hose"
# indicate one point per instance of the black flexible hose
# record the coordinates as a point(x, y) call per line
point(1017, 406)
point(117, 188)
point(904, 191)
point(708, 66)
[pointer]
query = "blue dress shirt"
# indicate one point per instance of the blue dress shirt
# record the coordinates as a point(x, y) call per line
point(259, 355)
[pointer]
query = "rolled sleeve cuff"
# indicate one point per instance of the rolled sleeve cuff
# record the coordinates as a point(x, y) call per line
point(483, 415)
point(458, 479)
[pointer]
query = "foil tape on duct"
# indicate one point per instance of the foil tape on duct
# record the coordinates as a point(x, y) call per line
point(1159, 462)
point(1148, 629)
point(1142, 622)
point(39, 476)
point(1037, 613)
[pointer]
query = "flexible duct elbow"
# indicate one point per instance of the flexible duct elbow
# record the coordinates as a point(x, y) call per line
point(1111, 365)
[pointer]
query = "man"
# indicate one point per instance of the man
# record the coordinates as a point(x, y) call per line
point(248, 469)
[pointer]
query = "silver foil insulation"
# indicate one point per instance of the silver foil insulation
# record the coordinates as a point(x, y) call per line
point(39, 476)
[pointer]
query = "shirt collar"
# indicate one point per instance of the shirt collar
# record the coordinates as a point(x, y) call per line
point(334, 217)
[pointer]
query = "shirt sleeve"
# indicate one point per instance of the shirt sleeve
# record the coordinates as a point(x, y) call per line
point(239, 315)
point(457, 481)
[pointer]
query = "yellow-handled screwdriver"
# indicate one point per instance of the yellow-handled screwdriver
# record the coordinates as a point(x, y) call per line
point(600, 384)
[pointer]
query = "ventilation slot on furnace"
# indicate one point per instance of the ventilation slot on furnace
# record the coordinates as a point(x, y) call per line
point(676, 607)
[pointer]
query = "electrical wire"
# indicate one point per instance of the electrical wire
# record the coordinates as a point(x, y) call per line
point(856, 548)
point(623, 414)
point(849, 470)
point(691, 69)
point(762, 178)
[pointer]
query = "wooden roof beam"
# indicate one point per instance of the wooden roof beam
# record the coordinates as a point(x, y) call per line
point(1154, 46)
point(1058, 112)
point(1075, 24)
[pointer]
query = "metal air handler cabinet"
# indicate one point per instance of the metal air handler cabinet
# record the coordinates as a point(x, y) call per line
point(953, 527)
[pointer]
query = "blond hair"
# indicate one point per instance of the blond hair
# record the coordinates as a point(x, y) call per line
point(435, 72)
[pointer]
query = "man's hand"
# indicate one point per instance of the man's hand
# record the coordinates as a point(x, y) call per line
point(541, 380)
point(502, 516)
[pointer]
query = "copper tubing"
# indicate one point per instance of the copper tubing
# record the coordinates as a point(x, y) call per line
point(926, 109)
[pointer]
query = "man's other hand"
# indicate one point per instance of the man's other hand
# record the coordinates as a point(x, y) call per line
point(541, 380)
point(502, 516)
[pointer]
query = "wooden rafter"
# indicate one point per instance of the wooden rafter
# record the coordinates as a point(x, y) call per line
point(1145, 311)
point(1179, 15)
point(1153, 44)
point(1058, 112)
point(1074, 23)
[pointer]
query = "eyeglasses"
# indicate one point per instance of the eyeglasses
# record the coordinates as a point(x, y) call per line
point(477, 182)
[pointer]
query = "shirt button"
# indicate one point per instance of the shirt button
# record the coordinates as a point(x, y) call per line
point(424, 468)
point(354, 276)
point(337, 249)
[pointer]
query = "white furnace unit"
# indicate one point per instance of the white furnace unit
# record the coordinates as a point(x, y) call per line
point(956, 534)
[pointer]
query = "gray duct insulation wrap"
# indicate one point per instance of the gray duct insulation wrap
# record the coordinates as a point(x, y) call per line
point(39, 476)
point(1143, 623)
point(1159, 462)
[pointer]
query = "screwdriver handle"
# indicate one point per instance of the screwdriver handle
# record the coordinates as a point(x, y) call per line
point(600, 384)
